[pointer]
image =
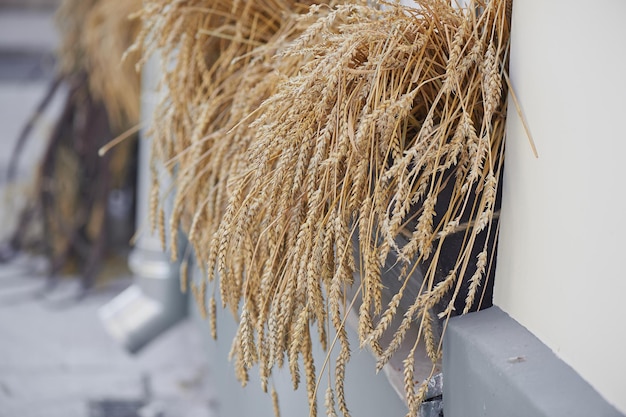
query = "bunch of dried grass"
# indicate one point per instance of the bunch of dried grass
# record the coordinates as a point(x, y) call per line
point(386, 124)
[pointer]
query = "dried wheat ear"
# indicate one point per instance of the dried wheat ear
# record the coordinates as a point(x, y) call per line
point(310, 145)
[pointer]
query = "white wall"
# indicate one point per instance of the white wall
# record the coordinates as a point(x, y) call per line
point(562, 240)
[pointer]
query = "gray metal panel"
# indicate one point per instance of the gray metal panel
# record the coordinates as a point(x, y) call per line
point(494, 367)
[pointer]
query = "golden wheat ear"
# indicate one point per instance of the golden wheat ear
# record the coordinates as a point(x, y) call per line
point(313, 146)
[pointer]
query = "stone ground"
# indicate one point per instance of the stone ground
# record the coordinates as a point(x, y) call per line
point(55, 358)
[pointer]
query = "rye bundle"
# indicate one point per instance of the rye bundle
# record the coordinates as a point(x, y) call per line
point(315, 147)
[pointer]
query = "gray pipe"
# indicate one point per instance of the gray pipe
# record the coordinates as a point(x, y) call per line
point(154, 302)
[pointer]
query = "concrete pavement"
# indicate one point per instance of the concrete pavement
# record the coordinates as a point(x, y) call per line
point(57, 360)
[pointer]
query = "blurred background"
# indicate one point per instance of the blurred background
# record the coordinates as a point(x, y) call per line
point(66, 219)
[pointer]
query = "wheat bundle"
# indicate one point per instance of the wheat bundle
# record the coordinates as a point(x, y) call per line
point(109, 32)
point(71, 19)
point(382, 126)
point(102, 101)
point(95, 36)
point(216, 69)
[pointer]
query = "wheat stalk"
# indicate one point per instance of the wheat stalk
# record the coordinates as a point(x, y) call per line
point(297, 133)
